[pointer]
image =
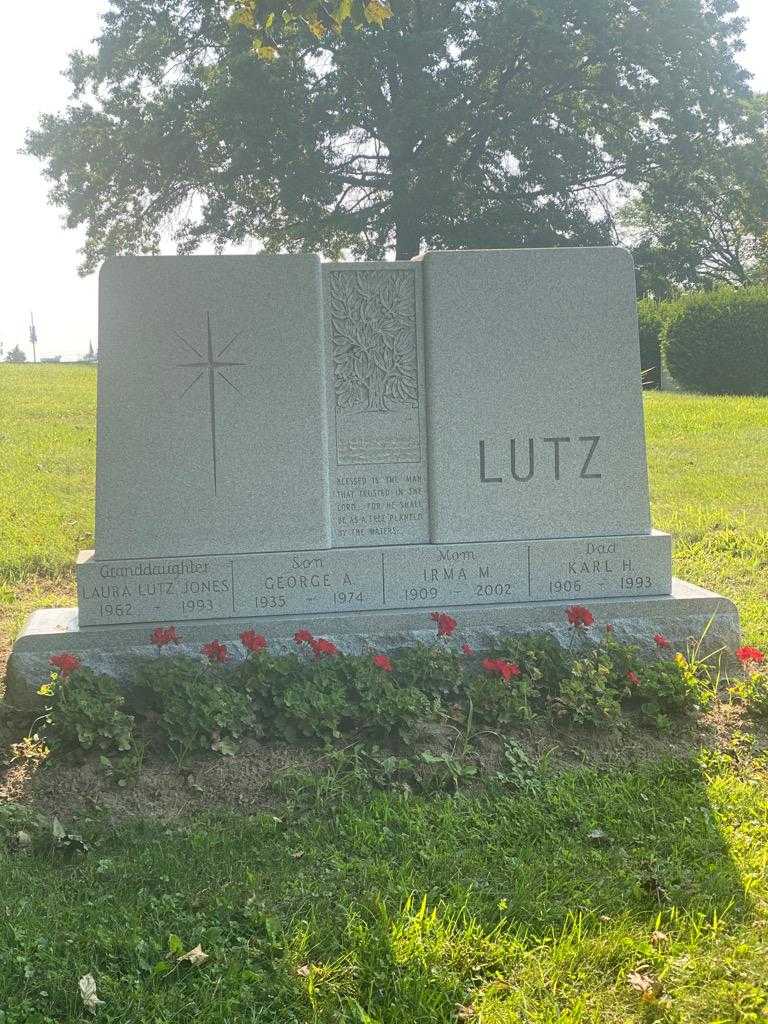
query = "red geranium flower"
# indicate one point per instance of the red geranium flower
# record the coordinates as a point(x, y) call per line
point(445, 623)
point(253, 642)
point(579, 616)
point(323, 647)
point(303, 636)
point(747, 656)
point(609, 628)
point(65, 663)
point(506, 669)
point(466, 649)
point(661, 641)
point(215, 651)
point(634, 678)
point(382, 661)
point(165, 635)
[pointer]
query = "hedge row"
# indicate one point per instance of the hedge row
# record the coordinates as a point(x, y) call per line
point(714, 342)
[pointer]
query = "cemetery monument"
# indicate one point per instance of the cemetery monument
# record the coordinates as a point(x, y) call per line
point(347, 447)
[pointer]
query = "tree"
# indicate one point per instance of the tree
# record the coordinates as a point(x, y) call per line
point(705, 222)
point(462, 124)
point(16, 355)
point(272, 22)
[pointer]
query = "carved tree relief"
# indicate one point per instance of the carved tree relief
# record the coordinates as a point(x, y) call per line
point(373, 331)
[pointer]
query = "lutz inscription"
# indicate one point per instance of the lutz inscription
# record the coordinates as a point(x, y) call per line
point(578, 459)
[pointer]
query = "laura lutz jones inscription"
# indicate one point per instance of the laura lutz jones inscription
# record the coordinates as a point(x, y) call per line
point(149, 590)
point(608, 567)
point(374, 348)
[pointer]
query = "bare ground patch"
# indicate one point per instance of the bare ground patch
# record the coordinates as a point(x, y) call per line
point(163, 790)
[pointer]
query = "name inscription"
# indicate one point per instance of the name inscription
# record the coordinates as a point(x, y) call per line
point(550, 456)
point(372, 578)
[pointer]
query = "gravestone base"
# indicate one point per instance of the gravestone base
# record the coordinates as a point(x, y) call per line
point(686, 613)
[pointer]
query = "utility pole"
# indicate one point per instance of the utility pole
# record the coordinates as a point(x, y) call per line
point(33, 337)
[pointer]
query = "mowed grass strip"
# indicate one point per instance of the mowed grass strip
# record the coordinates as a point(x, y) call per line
point(708, 462)
point(494, 908)
point(47, 474)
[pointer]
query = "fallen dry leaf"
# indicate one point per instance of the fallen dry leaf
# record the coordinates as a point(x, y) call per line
point(297, 854)
point(195, 956)
point(303, 971)
point(649, 987)
point(467, 1012)
point(87, 986)
point(657, 938)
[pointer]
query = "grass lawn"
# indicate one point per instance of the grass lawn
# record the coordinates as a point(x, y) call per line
point(522, 900)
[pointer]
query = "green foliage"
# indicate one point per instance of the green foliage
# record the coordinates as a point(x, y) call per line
point(588, 695)
point(382, 704)
point(717, 342)
point(436, 670)
point(651, 325)
point(702, 219)
point(540, 657)
point(752, 692)
point(667, 688)
point(474, 124)
point(271, 21)
point(195, 705)
point(16, 355)
point(497, 702)
point(296, 698)
point(86, 711)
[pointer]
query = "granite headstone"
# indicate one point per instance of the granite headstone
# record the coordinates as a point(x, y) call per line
point(342, 446)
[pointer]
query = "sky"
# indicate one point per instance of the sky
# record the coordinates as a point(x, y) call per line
point(38, 255)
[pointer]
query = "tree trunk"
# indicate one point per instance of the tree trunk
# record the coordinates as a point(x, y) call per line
point(407, 238)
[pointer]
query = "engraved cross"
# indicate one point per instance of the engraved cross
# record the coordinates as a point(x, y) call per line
point(212, 365)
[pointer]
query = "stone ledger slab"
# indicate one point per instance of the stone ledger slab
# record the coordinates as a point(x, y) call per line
point(686, 613)
point(178, 590)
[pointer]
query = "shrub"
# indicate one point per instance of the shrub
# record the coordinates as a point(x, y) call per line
point(498, 702)
point(717, 342)
point(436, 671)
point(319, 699)
point(196, 706)
point(382, 705)
point(86, 710)
point(651, 322)
point(541, 659)
point(588, 695)
point(752, 691)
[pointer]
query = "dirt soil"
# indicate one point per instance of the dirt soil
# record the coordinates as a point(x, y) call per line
point(163, 790)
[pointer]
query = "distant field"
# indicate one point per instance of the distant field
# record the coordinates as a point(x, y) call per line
point(709, 487)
